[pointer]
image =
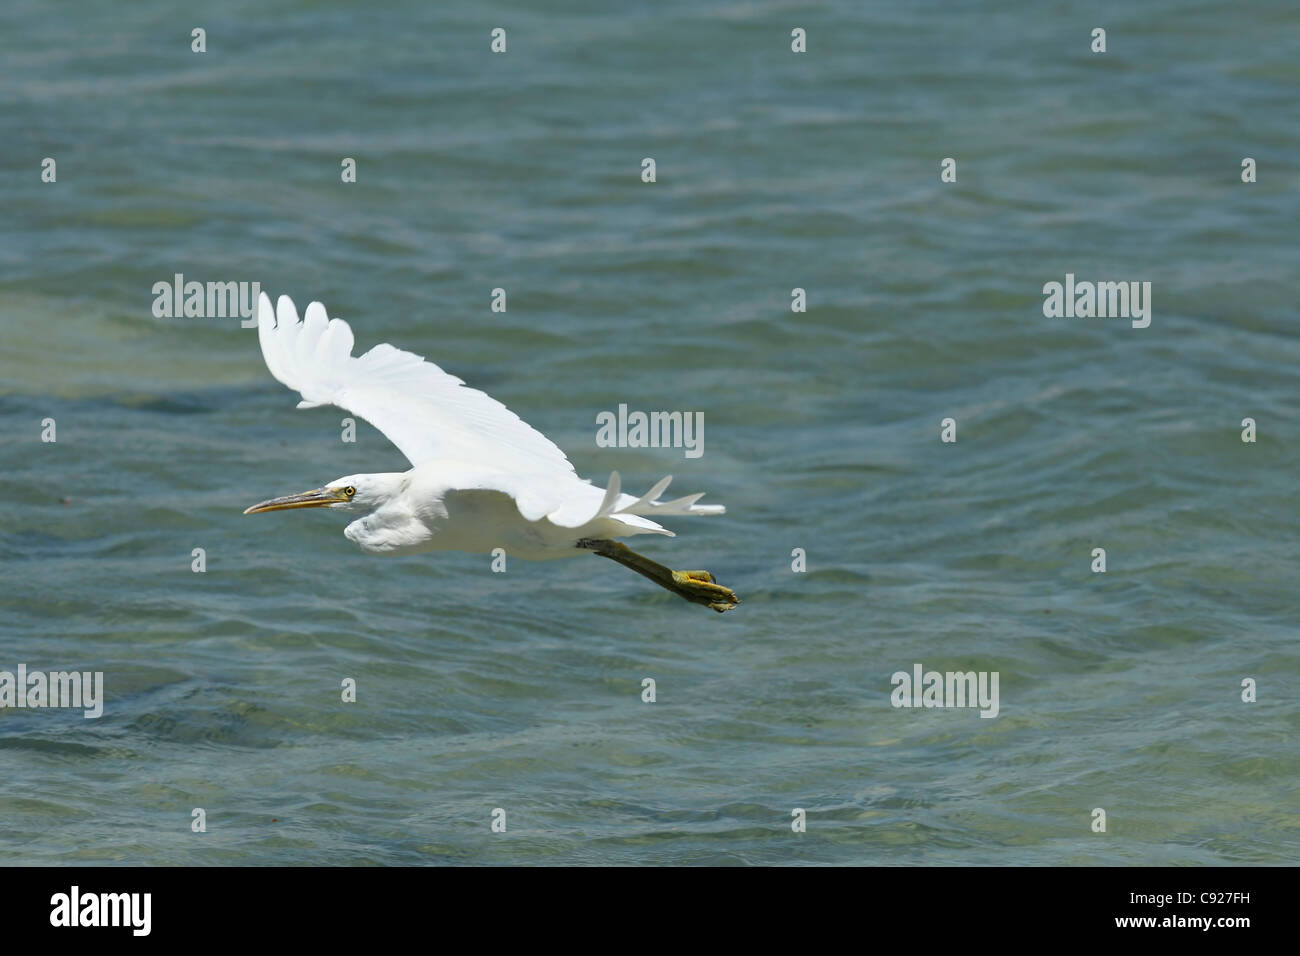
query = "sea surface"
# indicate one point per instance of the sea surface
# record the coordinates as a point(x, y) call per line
point(775, 170)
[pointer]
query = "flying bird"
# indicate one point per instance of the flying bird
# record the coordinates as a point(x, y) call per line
point(480, 477)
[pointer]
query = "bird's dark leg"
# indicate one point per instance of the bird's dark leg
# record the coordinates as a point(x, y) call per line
point(699, 587)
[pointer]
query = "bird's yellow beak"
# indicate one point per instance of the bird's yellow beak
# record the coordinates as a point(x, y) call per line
point(320, 498)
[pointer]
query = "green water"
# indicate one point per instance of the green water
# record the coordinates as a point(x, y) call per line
point(775, 170)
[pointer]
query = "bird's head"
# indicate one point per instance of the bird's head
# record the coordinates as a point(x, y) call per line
point(349, 493)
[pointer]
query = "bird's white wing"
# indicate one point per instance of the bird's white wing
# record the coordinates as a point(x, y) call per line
point(422, 410)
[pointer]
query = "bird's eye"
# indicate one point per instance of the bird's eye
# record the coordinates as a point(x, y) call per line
point(349, 491)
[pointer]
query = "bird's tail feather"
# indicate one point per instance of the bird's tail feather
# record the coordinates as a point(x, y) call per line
point(616, 504)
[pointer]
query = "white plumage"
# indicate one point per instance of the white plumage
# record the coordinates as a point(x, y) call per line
point(481, 478)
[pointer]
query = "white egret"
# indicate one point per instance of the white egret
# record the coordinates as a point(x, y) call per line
point(480, 478)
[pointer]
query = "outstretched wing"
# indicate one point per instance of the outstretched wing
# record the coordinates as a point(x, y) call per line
point(422, 410)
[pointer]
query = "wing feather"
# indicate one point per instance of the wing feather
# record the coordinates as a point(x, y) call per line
point(421, 409)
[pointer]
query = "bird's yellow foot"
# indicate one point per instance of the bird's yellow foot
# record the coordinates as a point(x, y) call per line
point(703, 588)
point(698, 587)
